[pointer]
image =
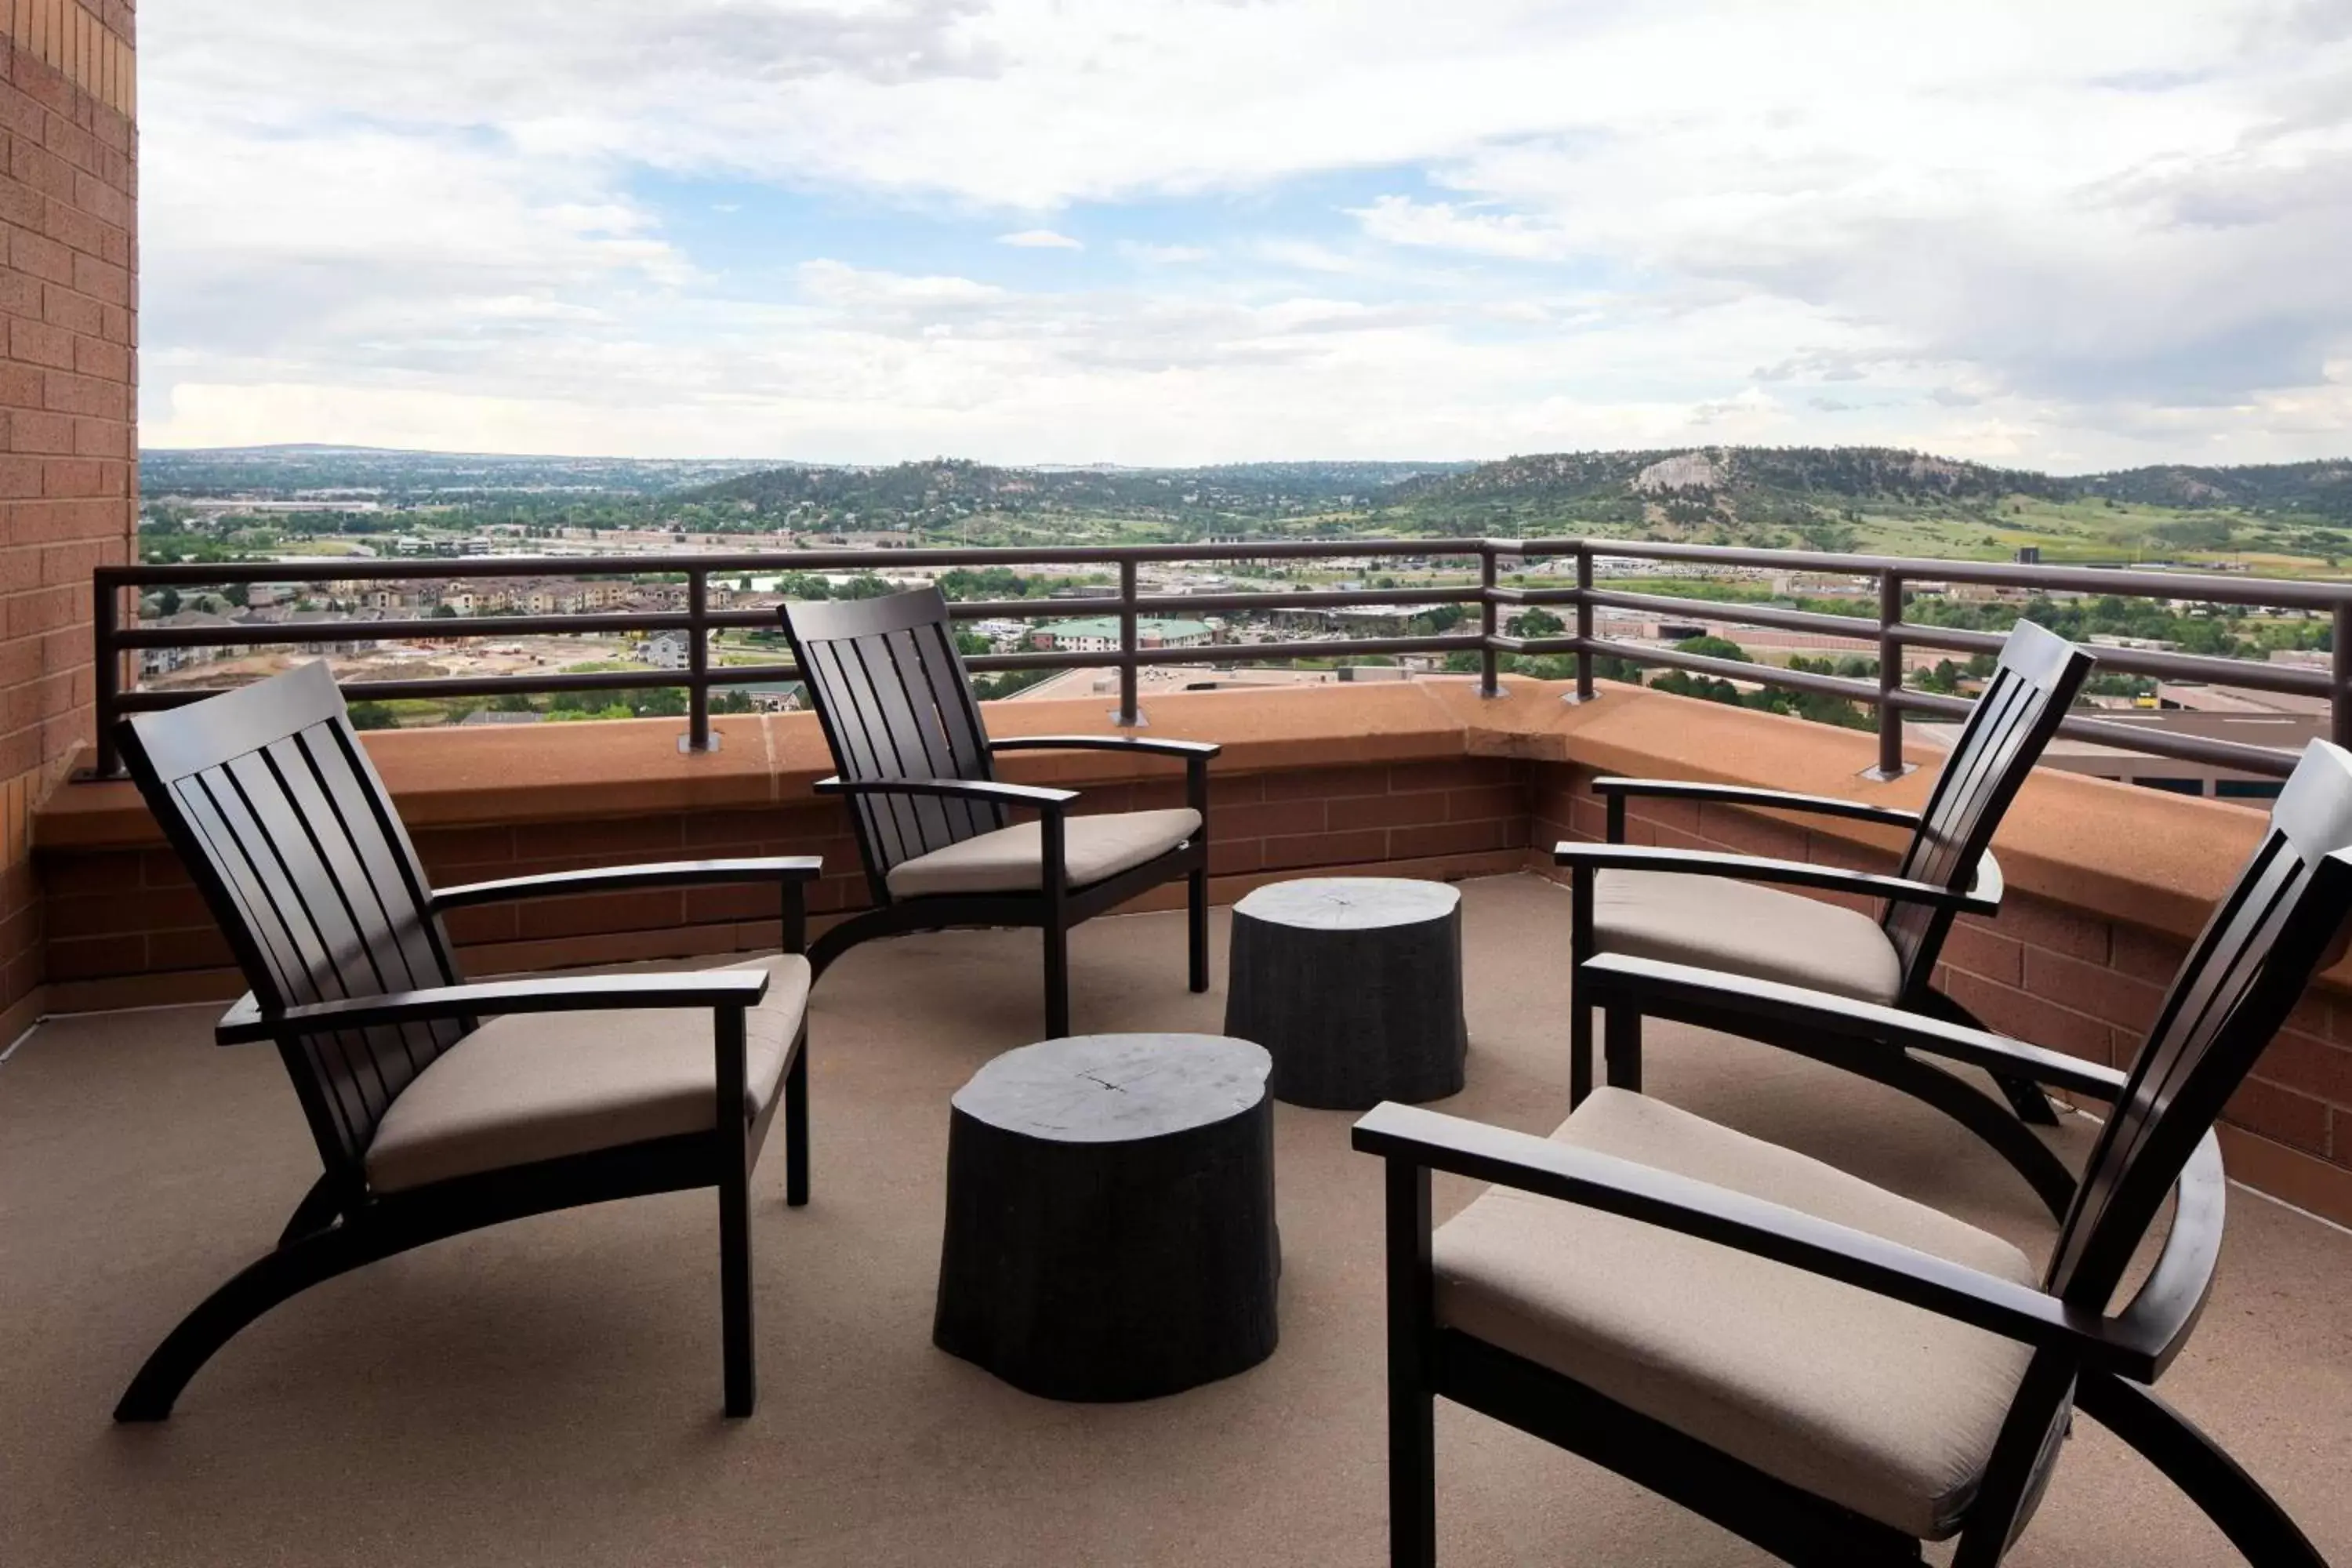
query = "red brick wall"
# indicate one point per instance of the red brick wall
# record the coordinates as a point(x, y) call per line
point(2040, 971)
point(68, 338)
point(126, 927)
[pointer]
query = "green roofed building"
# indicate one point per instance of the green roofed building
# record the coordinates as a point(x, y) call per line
point(1100, 635)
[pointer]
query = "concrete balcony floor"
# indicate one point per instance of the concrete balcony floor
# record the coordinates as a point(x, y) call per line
point(548, 1392)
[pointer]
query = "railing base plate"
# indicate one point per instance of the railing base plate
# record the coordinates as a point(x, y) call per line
point(1880, 776)
point(686, 744)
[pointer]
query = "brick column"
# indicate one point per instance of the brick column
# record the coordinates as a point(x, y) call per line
point(69, 453)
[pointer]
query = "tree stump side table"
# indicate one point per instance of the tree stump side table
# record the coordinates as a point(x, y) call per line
point(1353, 985)
point(1110, 1230)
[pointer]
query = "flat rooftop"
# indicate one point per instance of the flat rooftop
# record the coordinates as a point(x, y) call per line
point(547, 1391)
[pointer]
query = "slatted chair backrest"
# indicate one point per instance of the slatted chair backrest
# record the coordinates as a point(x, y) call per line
point(2280, 924)
point(281, 819)
point(2021, 708)
point(895, 701)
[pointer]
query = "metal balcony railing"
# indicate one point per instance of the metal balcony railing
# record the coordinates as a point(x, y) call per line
point(114, 640)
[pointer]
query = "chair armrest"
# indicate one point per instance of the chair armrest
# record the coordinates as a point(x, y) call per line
point(1164, 748)
point(246, 1021)
point(2169, 1300)
point(1747, 796)
point(1756, 868)
point(619, 878)
point(1436, 1141)
point(1035, 796)
point(1710, 999)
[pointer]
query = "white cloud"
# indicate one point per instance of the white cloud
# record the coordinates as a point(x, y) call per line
point(1040, 239)
point(2097, 232)
point(1400, 220)
point(1163, 255)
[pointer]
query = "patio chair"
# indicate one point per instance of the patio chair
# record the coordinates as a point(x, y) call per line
point(440, 1105)
point(1731, 912)
point(1830, 1371)
point(932, 823)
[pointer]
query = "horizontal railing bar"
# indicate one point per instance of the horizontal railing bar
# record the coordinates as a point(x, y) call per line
point(1863, 691)
point(1954, 639)
point(1308, 599)
point(438, 629)
point(2238, 754)
point(799, 560)
point(1535, 595)
point(2254, 674)
point(2202, 669)
point(2125, 583)
point(724, 675)
point(1854, 629)
point(441, 685)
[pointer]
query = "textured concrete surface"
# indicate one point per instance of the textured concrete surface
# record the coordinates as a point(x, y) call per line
point(548, 1392)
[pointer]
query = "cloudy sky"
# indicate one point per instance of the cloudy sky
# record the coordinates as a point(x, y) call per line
point(2063, 233)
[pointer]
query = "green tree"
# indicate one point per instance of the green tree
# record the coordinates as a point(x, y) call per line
point(372, 716)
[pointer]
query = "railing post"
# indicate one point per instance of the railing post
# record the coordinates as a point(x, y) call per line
point(1584, 624)
point(1890, 678)
point(1129, 714)
point(105, 607)
point(2339, 697)
point(698, 736)
point(1490, 682)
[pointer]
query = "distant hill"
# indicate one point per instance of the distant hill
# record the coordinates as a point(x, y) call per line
point(943, 489)
point(2323, 489)
point(284, 472)
point(1879, 498)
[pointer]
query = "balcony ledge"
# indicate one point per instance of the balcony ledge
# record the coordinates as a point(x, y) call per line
point(2120, 852)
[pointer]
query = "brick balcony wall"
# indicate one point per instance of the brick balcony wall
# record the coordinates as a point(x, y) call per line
point(68, 340)
point(2106, 883)
point(126, 926)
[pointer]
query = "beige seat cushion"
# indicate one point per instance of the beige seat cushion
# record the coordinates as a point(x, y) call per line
point(1745, 927)
point(1007, 861)
point(537, 1086)
point(1884, 1407)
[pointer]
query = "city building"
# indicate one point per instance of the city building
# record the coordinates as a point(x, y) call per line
point(1100, 634)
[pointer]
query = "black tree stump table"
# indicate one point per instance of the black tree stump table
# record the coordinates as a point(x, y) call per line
point(1353, 985)
point(1111, 1230)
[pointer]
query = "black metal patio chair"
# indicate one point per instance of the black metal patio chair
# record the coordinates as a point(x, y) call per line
point(440, 1105)
point(1732, 912)
point(932, 820)
point(1815, 1364)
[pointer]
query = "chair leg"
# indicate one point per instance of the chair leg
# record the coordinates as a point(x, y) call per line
point(1579, 1052)
point(1057, 982)
point(735, 1284)
point(1622, 1039)
point(796, 1123)
point(2209, 1478)
point(221, 1316)
point(1196, 927)
point(1413, 1404)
